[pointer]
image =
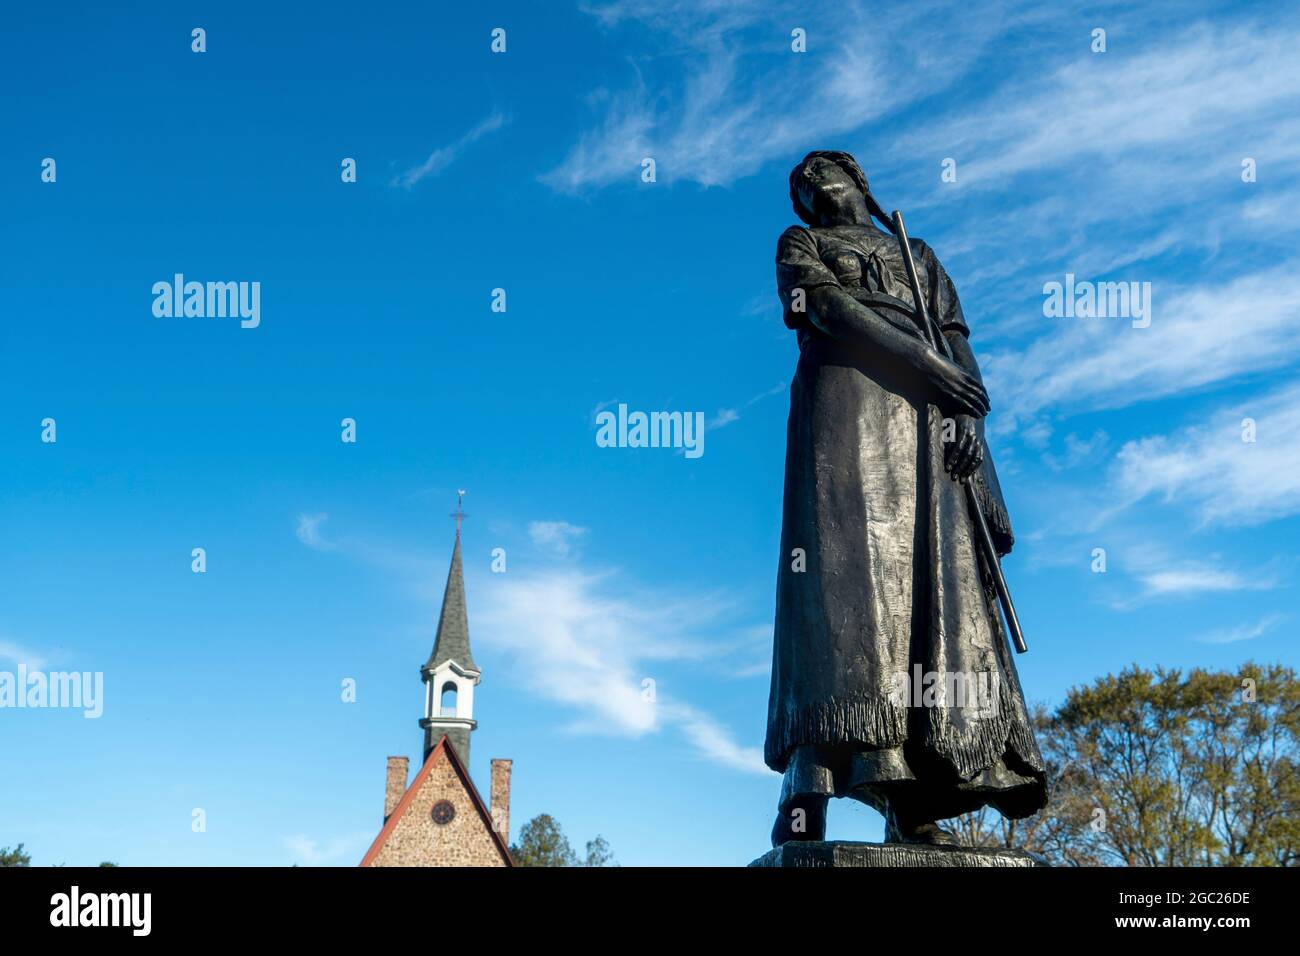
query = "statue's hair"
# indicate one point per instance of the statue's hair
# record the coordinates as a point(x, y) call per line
point(841, 159)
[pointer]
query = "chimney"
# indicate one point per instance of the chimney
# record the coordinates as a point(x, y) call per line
point(398, 767)
point(501, 799)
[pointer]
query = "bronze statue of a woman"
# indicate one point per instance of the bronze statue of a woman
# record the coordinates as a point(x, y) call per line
point(882, 596)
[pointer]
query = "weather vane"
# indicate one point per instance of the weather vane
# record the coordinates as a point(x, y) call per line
point(459, 513)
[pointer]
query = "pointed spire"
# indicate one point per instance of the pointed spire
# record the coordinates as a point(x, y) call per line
point(452, 642)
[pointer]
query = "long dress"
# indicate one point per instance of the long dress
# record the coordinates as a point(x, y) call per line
point(880, 592)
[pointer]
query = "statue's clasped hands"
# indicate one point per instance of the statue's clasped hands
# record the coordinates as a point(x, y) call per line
point(957, 392)
point(965, 453)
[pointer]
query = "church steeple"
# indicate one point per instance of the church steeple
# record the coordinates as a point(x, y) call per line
point(450, 673)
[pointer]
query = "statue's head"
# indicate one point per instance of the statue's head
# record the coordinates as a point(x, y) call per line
point(819, 181)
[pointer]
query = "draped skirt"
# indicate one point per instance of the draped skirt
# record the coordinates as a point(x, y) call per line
point(890, 666)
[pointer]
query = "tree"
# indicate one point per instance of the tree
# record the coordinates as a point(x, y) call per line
point(1161, 769)
point(599, 853)
point(542, 843)
point(14, 856)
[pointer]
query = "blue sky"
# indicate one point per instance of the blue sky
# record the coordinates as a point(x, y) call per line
point(522, 171)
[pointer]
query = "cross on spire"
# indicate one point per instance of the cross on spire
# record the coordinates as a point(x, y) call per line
point(459, 513)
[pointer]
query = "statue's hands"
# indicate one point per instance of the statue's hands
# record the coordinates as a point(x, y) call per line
point(957, 391)
point(965, 453)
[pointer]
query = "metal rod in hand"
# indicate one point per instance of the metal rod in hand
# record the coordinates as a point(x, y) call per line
point(983, 535)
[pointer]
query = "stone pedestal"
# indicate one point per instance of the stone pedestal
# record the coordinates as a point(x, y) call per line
point(846, 854)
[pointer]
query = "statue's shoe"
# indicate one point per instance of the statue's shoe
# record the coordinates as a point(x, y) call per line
point(814, 826)
point(927, 834)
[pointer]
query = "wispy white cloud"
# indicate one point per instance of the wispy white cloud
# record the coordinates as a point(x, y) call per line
point(1211, 470)
point(1078, 451)
point(719, 108)
point(556, 537)
point(727, 416)
point(1092, 163)
point(1199, 336)
point(308, 532)
point(444, 156)
point(714, 741)
point(603, 650)
point(1161, 572)
point(335, 851)
point(1243, 632)
point(1191, 579)
point(686, 19)
point(1200, 91)
point(17, 654)
point(724, 417)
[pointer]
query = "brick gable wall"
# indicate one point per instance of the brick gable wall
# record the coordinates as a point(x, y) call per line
point(417, 841)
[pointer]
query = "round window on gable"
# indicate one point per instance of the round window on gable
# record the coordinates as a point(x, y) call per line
point(443, 812)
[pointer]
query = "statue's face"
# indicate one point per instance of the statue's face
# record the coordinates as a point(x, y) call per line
point(824, 185)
